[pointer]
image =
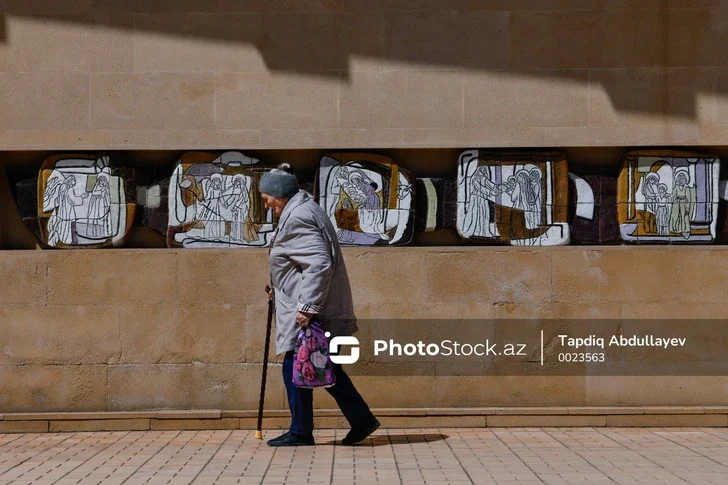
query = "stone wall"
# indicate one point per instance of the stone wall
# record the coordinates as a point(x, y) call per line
point(125, 330)
point(116, 330)
point(361, 74)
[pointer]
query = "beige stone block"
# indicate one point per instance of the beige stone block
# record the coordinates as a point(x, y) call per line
point(190, 414)
point(268, 423)
point(421, 412)
point(179, 334)
point(658, 133)
point(42, 388)
point(332, 138)
point(618, 275)
point(649, 32)
point(385, 391)
point(696, 37)
point(157, 101)
point(702, 275)
point(605, 410)
point(694, 3)
point(239, 138)
point(523, 276)
point(710, 135)
point(76, 43)
point(54, 139)
point(192, 386)
point(673, 410)
point(630, 4)
point(527, 98)
point(382, 6)
point(518, 5)
point(322, 401)
point(23, 278)
point(129, 6)
point(546, 421)
point(24, 427)
point(674, 310)
point(393, 422)
point(379, 277)
point(564, 39)
point(612, 39)
point(36, 416)
point(402, 99)
point(107, 415)
point(441, 40)
point(556, 311)
point(212, 276)
point(716, 409)
point(691, 94)
point(369, 137)
point(183, 139)
point(59, 335)
point(721, 102)
point(111, 278)
point(456, 310)
point(627, 96)
point(468, 391)
point(329, 422)
point(672, 420)
point(99, 425)
point(253, 414)
point(254, 335)
point(656, 390)
point(299, 138)
point(329, 45)
point(194, 424)
point(532, 411)
point(189, 42)
point(266, 101)
point(280, 6)
point(44, 101)
point(481, 136)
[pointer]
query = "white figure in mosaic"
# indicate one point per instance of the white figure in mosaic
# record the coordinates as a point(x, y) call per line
point(84, 198)
point(237, 199)
point(668, 199)
point(99, 208)
point(210, 209)
point(477, 213)
point(525, 187)
point(211, 205)
point(61, 197)
point(354, 196)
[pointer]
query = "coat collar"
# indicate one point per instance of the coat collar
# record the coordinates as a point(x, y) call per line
point(298, 199)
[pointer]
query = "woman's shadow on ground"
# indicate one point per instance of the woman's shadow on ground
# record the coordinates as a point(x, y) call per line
point(396, 439)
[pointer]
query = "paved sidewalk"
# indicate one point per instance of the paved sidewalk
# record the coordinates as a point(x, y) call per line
point(479, 456)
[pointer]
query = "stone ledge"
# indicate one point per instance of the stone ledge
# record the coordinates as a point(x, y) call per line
point(597, 416)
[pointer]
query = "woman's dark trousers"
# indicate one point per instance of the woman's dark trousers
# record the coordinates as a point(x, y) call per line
point(300, 401)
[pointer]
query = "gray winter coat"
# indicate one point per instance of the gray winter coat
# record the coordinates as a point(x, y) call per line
point(308, 272)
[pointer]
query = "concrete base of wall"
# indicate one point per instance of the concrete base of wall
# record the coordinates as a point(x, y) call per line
point(642, 416)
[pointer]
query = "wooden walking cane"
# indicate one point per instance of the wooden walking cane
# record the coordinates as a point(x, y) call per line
point(259, 429)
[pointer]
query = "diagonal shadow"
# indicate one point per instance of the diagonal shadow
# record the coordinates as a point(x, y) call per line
point(397, 439)
point(624, 52)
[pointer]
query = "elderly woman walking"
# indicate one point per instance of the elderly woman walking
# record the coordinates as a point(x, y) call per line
point(309, 281)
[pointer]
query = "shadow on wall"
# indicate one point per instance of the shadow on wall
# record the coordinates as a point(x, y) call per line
point(631, 55)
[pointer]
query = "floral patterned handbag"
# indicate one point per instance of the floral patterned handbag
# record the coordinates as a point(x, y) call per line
point(312, 366)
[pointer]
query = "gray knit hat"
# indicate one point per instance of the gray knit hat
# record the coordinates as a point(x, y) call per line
point(279, 182)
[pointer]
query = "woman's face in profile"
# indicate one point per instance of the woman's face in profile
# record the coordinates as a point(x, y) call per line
point(276, 204)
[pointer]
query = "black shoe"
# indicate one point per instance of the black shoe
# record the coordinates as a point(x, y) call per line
point(290, 439)
point(284, 435)
point(359, 434)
